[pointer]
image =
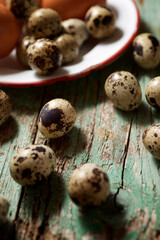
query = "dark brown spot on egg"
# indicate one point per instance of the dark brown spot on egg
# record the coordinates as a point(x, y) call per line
point(52, 116)
point(152, 100)
point(34, 155)
point(156, 135)
point(40, 62)
point(149, 146)
point(26, 173)
point(132, 91)
point(154, 41)
point(96, 22)
point(138, 49)
point(40, 149)
point(20, 159)
point(107, 20)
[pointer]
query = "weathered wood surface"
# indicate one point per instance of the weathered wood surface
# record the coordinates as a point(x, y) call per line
point(102, 134)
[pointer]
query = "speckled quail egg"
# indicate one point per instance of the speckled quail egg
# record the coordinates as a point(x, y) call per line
point(32, 164)
point(68, 47)
point(123, 90)
point(153, 92)
point(146, 50)
point(77, 28)
point(44, 23)
point(21, 50)
point(100, 21)
point(5, 107)
point(56, 118)
point(4, 207)
point(89, 185)
point(43, 56)
point(151, 140)
point(22, 8)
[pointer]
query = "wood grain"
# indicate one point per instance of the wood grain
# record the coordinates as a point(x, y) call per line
point(102, 134)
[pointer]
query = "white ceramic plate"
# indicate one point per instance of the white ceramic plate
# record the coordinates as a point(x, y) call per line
point(93, 55)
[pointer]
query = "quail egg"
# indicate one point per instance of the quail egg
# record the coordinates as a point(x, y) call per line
point(43, 56)
point(89, 185)
point(22, 8)
point(151, 140)
point(68, 47)
point(21, 50)
point(100, 21)
point(5, 107)
point(56, 118)
point(4, 207)
point(77, 28)
point(32, 164)
point(123, 90)
point(153, 92)
point(146, 50)
point(44, 23)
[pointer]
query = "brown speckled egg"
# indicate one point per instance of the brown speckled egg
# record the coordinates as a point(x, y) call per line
point(56, 118)
point(100, 21)
point(44, 23)
point(32, 164)
point(146, 50)
point(22, 8)
point(89, 185)
point(5, 107)
point(151, 140)
point(43, 56)
point(123, 90)
point(21, 50)
point(68, 47)
point(77, 28)
point(153, 92)
point(4, 207)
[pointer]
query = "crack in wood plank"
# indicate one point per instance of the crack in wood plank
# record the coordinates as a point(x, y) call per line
point(123, 161)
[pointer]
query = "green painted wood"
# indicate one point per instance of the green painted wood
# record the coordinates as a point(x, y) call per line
point(102, 134)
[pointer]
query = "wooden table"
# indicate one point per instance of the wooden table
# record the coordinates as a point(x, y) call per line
point(102, 134)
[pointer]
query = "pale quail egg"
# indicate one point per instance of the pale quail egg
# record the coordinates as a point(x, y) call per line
point(146, 50)
point(89, 185)
point(151, 140)
point(56, 118)
point(4, 207)
point(22, 8)
point(32, 164)
point(123, 90)
point(153, 92)
point(77, 28)
point(21, 50)
point(68, 47)
point(43, 56)
point(5, 107)
point(100, 21)
point(44, 23)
